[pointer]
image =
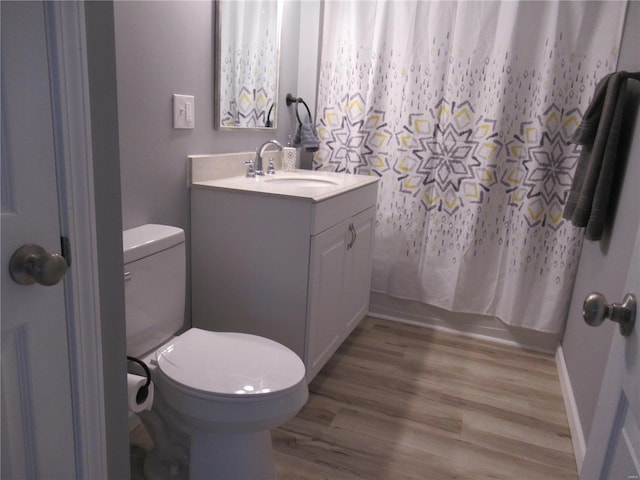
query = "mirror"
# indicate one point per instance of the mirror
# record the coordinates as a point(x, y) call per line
point(247, 64)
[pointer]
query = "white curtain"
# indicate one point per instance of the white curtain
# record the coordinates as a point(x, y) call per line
point(464, 109)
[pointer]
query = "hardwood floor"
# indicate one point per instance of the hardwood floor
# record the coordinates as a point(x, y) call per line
point(402, 402)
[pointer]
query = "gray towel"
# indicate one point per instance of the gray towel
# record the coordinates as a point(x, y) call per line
point(306, 135)
point(598, 134)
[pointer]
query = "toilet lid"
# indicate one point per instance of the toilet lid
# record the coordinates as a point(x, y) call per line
point(226, 363)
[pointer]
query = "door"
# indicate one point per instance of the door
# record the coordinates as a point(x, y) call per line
point(613, 448)
point(36, 415)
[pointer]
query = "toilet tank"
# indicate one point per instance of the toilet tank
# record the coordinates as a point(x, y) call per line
point(154, 284)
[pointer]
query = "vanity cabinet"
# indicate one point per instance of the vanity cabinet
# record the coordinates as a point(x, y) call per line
point(294, 269)
point(339, 284)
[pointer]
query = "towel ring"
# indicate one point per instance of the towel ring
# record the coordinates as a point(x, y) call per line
point(308, 111)
point(291, 99)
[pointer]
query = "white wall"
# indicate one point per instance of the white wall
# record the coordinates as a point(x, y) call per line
point(603, 265)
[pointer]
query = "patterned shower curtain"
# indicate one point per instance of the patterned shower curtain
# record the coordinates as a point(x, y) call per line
point(465, 110)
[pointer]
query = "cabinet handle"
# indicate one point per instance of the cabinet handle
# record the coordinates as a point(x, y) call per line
point(353, 236)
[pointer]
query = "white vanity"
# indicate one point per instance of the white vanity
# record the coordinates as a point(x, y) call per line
point(286, 256)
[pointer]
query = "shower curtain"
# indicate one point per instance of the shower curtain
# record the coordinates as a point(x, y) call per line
point(465, 110)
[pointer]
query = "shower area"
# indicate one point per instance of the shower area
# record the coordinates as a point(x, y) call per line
point(466, 111)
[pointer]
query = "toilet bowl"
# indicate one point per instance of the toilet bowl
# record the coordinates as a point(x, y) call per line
point(217, 394)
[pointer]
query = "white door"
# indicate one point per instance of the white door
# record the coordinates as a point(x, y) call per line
point(613, 448)
point(37, 425)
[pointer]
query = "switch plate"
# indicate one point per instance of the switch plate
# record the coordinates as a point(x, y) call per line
point(183, 111)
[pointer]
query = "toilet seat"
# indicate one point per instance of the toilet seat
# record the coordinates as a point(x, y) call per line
point(228, 364)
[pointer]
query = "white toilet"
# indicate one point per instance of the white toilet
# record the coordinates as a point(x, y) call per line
point(217, 394)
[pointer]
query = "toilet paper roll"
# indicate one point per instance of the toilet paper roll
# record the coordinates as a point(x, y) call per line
point(289, 159)
point(138, 401)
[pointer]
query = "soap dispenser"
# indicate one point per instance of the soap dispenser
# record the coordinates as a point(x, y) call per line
point(289, 157)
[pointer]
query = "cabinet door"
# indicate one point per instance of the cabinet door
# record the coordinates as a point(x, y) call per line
point(326, 285)
point(357, 282)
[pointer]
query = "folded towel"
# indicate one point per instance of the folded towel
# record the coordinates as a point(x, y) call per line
point(306, 134)
point(598, 134)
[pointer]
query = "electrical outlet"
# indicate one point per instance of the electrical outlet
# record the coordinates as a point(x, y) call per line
point(183, 111)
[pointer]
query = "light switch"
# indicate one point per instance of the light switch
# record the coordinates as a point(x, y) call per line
point(183, 111)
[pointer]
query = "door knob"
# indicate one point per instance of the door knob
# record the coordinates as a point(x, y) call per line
point(596, 309)
point(33, 264)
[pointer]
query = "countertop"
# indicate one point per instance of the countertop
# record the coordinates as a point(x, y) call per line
point(269, 184)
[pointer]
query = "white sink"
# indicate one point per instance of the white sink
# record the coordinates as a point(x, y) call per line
point(302, 181)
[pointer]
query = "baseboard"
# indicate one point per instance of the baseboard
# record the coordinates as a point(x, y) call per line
point(577, 435)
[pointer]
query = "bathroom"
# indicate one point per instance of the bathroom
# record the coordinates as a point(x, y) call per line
point(141, 53)
point(152, 170)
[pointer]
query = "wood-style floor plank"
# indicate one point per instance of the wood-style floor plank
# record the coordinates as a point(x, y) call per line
point(399, 402)
point(404, 402)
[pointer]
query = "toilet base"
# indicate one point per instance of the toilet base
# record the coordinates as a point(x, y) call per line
point(181, 452)
point(232, 456)
point(169, 457)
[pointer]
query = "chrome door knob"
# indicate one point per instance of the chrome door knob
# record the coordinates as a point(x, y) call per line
point(596, 309)
point(33, 264)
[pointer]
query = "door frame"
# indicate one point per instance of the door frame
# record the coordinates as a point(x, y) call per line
point(68, 74)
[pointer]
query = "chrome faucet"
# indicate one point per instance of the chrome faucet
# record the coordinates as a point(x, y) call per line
point(255, 167)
